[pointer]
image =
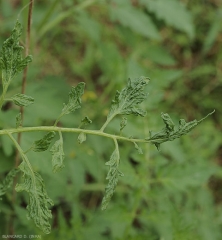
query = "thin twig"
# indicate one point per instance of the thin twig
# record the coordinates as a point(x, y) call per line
point(24, 80)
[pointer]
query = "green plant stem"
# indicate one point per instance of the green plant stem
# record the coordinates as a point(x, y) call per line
point(21, 152)
point(2, 98)
point(107, 122)
point(48, 15)
point(57, 120)
point(116, 147)
point(70, 130)
point(60, 135)
point(24, 157)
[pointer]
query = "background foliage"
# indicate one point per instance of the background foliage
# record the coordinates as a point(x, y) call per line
point(172, 194)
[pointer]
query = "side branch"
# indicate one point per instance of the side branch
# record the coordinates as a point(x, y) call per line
point(21, 152)
point(107, 122)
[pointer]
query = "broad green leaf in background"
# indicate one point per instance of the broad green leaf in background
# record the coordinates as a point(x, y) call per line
point(215, 28)
point(135, 19)
point(173, 12)
point(6, 8)
point(189, 175)
point(131, 177)
point(165, 77)
point(89, 25)
point(113, 69)
point(134, 69)
point(158, 54)
point(7, 145)
point(46, 98)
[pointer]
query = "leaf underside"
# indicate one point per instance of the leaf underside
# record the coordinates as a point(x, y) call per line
point(81, 137)
point(22, 100)
point(112, 177)
point(127, 100)
point(11, 61)
point(169, 133)
point(85, 121)
point(38, 199)
point(139, 150)
point(74, 99)
point(57, 155)
point(43, 144)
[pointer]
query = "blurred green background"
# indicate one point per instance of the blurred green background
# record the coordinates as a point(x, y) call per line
point(175, 194)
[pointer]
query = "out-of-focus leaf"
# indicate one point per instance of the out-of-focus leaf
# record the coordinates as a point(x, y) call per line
point(165, 77)
point(7, 145)
point(159, 55)
point(213, 32)
point(173, 12)
point(189, 175)
point(89, 25)
point(134, 69)
point(135, 19)
point(114, 69)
